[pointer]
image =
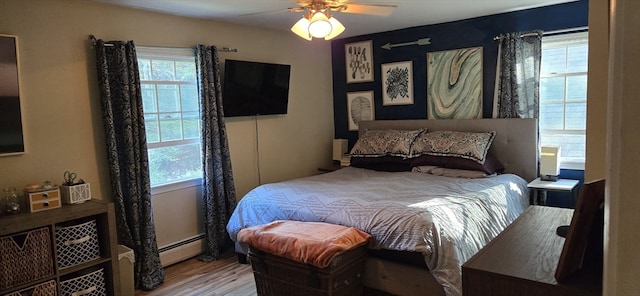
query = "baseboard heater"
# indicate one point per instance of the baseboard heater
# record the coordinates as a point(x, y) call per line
point(181, 250)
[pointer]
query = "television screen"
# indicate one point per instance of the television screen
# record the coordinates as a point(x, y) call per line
point(255, 88)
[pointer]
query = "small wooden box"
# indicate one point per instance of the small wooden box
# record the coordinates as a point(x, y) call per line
point(43, 200)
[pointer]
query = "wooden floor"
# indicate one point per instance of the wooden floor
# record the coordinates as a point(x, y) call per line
point(224, 276)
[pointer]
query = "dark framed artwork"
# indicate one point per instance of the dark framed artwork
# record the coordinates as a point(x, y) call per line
point(11, 136)
point(397, 83)
point(359, 61)
point(583, 240)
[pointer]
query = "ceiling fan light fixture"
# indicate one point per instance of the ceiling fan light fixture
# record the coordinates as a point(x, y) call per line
point(301, 28)
point(319, 25)
point(338, 28)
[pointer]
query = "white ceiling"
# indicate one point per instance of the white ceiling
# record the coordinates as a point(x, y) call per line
point(273, 14)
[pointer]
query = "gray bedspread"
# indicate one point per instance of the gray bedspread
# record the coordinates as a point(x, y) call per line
point(446, 219)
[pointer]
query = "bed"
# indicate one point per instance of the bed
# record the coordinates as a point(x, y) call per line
point(424, 226)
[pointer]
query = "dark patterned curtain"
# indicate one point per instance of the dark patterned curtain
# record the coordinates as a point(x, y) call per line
point(518, 75)
point(119, 83)
point(218, 192)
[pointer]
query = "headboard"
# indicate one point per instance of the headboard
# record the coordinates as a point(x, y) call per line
point(515, 144)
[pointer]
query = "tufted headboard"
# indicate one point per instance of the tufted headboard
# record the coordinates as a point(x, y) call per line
point(515, 144)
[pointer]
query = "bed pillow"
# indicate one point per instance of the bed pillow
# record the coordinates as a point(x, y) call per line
point(385, 163)
point(469, 145)
point(377, 143)
point(455, 173)
point(491, 164)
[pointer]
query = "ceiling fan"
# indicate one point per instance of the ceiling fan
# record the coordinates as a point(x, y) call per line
point(318, 22)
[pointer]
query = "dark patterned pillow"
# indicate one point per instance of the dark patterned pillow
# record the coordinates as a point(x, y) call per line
point(384, 163)
point(469, 145)
point(491, 164)
point(376, 143)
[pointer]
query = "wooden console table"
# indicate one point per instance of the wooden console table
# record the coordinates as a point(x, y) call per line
point(522, 260)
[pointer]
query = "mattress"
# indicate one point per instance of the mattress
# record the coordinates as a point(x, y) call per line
point(445, 219)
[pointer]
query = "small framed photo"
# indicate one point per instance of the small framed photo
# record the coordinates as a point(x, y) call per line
point(359, 108)
point(359, 61)
point(397, 83)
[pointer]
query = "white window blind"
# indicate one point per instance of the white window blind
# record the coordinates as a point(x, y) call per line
point(563, 96)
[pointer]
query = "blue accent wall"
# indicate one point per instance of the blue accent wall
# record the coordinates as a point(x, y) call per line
point(446, 36)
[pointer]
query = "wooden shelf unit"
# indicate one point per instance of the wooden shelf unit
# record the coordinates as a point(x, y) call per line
point(102, 212)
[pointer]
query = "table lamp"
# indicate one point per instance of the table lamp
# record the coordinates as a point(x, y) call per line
point(549, 163)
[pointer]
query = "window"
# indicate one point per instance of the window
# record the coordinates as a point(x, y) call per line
point(172, 114)
point(563, 96)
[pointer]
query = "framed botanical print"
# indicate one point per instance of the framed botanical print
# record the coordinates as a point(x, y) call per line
point(359, 61)
point(359, 108)
point(397, 83)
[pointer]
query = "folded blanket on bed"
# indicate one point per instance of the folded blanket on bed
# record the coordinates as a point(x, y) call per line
point(314, 243)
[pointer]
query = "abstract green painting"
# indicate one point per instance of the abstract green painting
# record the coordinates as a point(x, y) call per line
point(454, 84)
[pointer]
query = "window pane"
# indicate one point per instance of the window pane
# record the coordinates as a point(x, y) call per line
point(554, 60)
point(191, 122)
point(576, 116)
point(189, 98)
point(170, 127)
point(163, 70)
point(168, 98)
point(577, 88)
point(186, 71)
point(144, 67)
point(577, 58)
point(174, 164)
point(149, 97)
point(572, 145)
point(551, 89)
point(551, 116)
point(151, 128)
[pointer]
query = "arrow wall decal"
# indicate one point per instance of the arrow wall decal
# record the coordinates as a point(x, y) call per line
point(422, 41)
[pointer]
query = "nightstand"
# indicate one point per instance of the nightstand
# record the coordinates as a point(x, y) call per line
point(540, 188)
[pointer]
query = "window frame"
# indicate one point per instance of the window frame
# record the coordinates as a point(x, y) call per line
point(173, 54)
point(564, 41)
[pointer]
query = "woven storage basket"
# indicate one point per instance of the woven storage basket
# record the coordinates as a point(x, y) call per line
point(25, 257)
point(45, 289)
point(77, 244)
point(90, 284)
point(278, 276)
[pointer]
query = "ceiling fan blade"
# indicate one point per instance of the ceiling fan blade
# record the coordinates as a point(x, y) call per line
point(373, 9)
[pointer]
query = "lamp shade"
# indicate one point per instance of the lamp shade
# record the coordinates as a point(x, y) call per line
point(550, 161)
point(340, 147)
point(319, 25)
point(301, 28)
point(336, 28)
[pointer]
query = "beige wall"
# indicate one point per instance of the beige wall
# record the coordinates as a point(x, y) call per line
point(622, 262)
point(595, 162)
point(61, 105)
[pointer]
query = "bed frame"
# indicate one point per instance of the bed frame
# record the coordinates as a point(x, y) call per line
point(515, 145)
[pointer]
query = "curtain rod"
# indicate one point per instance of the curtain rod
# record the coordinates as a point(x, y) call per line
point(223, 49)
point(572, 30)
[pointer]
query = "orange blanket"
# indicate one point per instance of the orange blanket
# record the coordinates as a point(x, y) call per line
point(314, 243)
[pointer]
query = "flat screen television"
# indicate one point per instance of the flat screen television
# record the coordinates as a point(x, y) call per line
point(255, 88)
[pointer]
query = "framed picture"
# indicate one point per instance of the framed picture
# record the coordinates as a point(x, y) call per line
point(397, 83)
point(11, 137)
point(359, 108)
point(359, 61)
point(454, 84)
